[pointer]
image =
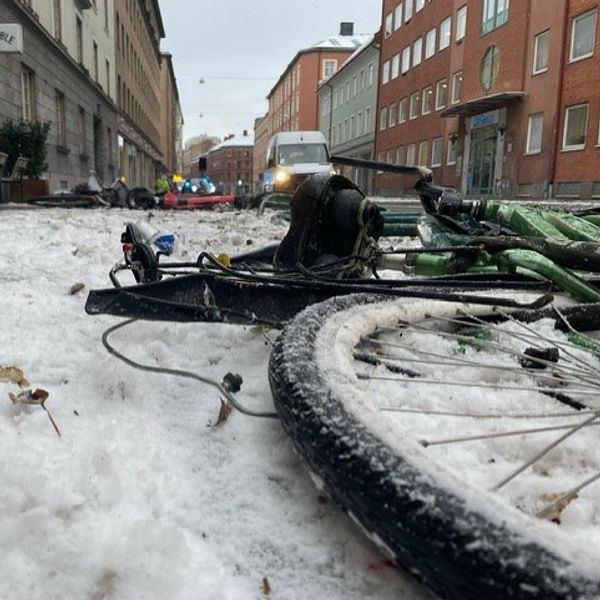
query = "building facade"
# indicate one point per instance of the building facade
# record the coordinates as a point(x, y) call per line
point(65, 76)
point(171, 123)
point(229, 164)
point(293, 101)
point(348, 100)
point(499, 98)
point(139, 30)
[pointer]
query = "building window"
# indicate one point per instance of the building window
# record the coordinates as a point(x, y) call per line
point(419, 4)
point(371, 74)
point(427, 100)
point(411, 151)
point(354, 86)
point(583, 36)
point(360, 125)
point(79, 39)
point(574, 135)
point(403, 110)
point(535, 128)
point(489, 68)
point(405, 60)
point(445, 33)
point(441, 94)
point(495, 13)
point(452, 150)
point(96, 69)
point(414, 105)
point(352, 127)
point(398, 17)
point(390, 157)
point(423, 152)
point(461, 23)
point(28, 93)
point(400, 155)
point(392, 114)
point(437, 152)
point(395, 66)
point(106, 15)
point(389, 24)
point(57, 20)
point(385, 72)
point(456, 87)
point(430, 43)
point(383, 118)
point(361, 78)
point(541, 49)
point(329, 67)
point(408, 10)
point(61, 121)
point(368, 126)
point(417, 52)
point(107, 68)
point(381, 157)
point(82, 132)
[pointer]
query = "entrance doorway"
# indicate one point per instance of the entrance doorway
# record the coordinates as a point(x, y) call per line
point(482, 161)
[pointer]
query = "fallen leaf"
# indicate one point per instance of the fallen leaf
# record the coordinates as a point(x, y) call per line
point(37, 396)
point(14, 375)
point(224, 413)
point(266, 586)
point(76, 287)
point(553, 513)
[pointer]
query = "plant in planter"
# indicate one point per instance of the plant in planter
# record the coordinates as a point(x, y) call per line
point(28, 139)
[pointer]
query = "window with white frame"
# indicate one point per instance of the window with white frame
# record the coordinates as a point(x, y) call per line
point(411, 151)
point(390, 157)
point(383, 118)
point(405, 60)
point(495, 13)
point(392, 114)
point(456, 87)
point(352, 127)
point(61, 118)
point(368, 125)
point(360, 124)
point(437, 152)
point(541, 49)
point(417, 52)
point(441, 94)
point(398, 16)
point(385, 72)
point(329, 67)
point(348, 91)
point(403, 110)
point(28, 93)
point(408, 10)
point(57, 14)
point(423, 152)
point(427, 102)
point(371, 74)
point(346, 130)
point(535, 128)
point(575, 129)
point(430, 43)
point(583, 35)
point(381, 156)
point(414, 105)
point(82, 131)
point(389, 24)
point(452, 149)
point(461, 23)
point(400, 155)
point(395, 65)
point(361, 78)
point(445, 33)
point(419, 4)
point(354, 86)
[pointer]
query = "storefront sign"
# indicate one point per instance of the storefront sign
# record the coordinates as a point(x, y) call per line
point(11, 37)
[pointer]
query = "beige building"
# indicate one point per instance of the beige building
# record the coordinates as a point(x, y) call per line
point(139, 30)
point(171, 125)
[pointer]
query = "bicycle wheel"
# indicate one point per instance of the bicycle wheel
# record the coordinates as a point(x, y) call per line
point(463, 508)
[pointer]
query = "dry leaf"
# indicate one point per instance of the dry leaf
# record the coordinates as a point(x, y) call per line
point(266, 586)
point(224, 413)
point(14, 375)
point(37, 396)
point(76, 287)
point(553, 514)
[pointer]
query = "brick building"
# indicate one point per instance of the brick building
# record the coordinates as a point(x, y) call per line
point(499, 98)
point(293, 101)
point(230, 164)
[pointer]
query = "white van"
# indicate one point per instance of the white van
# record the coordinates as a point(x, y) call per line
point(292, 156)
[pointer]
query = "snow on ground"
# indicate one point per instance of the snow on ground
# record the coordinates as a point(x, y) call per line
point(141, 497)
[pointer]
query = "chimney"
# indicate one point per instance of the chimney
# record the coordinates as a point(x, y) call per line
point(346, 28)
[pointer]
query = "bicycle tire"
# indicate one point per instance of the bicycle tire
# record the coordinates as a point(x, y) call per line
point(438, 529)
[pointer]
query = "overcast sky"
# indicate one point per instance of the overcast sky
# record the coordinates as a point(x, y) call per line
point(226, 41)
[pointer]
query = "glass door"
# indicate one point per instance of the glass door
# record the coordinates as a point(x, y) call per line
point(482, 162)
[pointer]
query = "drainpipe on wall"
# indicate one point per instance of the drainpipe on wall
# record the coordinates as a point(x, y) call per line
point(559, 97)
point(330, 112)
